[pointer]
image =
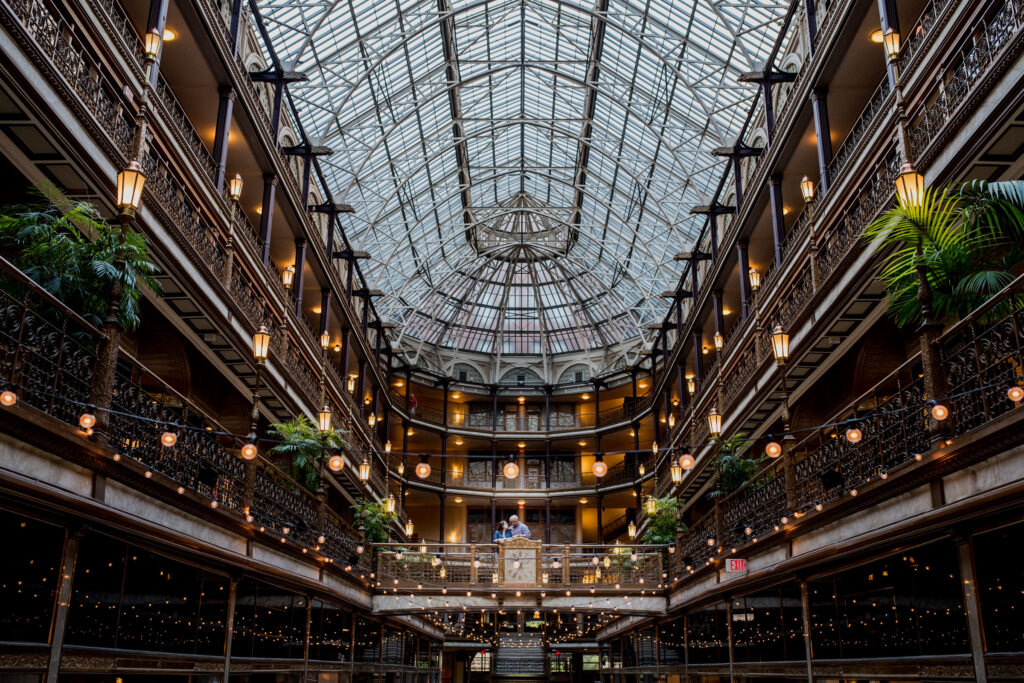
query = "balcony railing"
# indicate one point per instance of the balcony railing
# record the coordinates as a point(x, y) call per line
point(453, 565)
point(484, 420)
point(981, 358)
point(996, 33)
point(48, 357)
point(619, 473)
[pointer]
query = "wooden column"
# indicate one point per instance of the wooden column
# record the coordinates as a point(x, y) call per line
point(300, 273)
point(972, 606)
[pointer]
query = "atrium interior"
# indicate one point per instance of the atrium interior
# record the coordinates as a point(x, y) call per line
point(438, 341)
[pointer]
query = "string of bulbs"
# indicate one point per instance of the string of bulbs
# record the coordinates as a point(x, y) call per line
point(937, 410)
point(250, 448)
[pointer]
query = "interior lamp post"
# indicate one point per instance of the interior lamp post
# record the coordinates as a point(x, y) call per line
point(324, 420)
point(715, 422)
point(780, 349)
point(807, 190)
point(260, 353)
point(151, 50)
point(130, 182)
point(909, 183)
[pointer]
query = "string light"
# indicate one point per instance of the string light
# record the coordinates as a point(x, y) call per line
point(168, 439)
point(8, 398)
point(423, 468)
point(336, 463)
point(86, 421)
point(1015, 394)
point(853, 435)
point(511, 468)
point(940, 412)
point(249, 451)
point(773, 449)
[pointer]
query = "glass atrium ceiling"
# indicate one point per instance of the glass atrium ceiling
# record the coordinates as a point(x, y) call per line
point(522, 170)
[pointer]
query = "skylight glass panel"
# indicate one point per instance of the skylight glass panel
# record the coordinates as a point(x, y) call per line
point(616, 160)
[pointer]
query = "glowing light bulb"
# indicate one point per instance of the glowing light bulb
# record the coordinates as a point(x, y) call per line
point(940, 412)
point(168, 439)
point(773, 449)
point(249, 451)
point(853, 435)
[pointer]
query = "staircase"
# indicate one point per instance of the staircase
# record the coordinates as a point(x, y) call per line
point(520, 655)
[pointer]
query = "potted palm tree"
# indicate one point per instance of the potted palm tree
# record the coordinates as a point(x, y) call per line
point(966, 241)
point(734, 468)
point(72, 253)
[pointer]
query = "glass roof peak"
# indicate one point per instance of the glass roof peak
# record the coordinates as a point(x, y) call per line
point(522, 170)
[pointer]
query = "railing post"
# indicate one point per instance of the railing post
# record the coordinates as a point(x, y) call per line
point(473, 570)
point(565, 565)
point(933, 377)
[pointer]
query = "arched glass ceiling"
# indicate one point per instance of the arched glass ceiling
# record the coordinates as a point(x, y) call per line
point(522, 170)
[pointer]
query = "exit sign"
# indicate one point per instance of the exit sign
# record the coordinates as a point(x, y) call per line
point(735, 564)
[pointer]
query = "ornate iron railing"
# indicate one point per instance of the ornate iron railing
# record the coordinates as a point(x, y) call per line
point(48, 359)
point(982, 356)
point(45, 349)
point(63, 49)
point(435, 566)
point(865, 124)
point(996, 31)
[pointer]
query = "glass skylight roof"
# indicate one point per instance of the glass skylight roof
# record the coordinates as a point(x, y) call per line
point(591, 122)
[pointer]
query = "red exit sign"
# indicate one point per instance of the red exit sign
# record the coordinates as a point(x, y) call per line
point(735, 564)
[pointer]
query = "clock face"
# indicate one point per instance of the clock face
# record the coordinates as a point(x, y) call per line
point(520, 565)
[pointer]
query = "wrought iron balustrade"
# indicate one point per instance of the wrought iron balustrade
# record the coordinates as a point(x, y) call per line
point(995, 34)
point(981, 358)
point(434, 566)
point(865, 124)
point(915, 40)
point(48, 359)
point(45, 348)
point(64, 52)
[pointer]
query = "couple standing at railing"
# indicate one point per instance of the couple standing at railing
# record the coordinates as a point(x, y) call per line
point(510, 529)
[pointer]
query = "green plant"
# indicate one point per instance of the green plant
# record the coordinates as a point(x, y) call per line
point(305, 447)
point(72, 253)
point(969, 239)
point(734, 469)
point(661, 527)
point(374, 519)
